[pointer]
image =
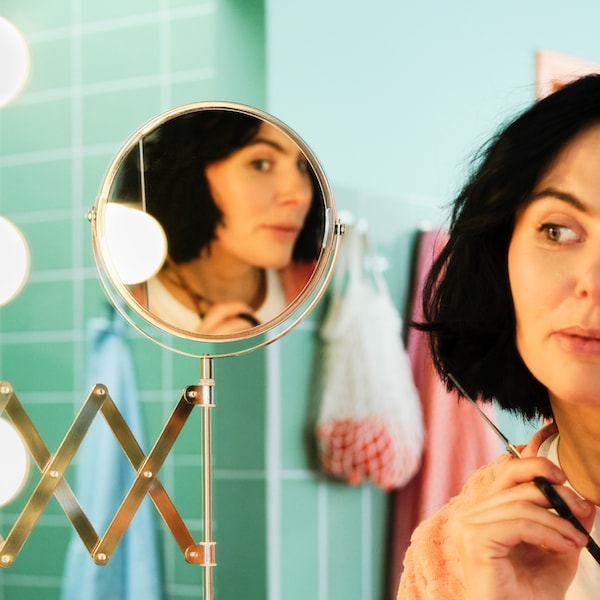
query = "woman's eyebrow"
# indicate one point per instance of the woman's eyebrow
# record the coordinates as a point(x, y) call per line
point(268, 142)
point(560, 195)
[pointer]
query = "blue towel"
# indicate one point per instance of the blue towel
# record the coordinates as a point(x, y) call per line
point(104, 476)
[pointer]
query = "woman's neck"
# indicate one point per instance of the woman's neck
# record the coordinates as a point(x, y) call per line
point(204, 280)
point(579, 447)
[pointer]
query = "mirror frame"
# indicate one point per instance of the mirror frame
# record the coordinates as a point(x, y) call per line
point(213, 345)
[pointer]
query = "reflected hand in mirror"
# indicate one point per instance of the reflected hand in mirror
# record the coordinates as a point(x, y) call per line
point(242, 213)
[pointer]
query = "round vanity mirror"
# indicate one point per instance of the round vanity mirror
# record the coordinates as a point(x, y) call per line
point(215, 230)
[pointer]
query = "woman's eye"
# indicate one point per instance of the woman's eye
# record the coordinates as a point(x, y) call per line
point(303, 166)
point(558, 233)
point(261, 164)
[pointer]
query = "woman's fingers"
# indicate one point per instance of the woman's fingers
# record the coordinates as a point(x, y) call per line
point(525, 470)
point(515, 482)
point(226, 317)
point(521, 515)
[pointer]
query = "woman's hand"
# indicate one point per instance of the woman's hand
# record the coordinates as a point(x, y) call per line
point(226, 317)
point(510, 545)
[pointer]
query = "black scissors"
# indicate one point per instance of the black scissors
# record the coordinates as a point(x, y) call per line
point(542, 483)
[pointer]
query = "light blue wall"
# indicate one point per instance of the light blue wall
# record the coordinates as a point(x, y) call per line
point(395, 96)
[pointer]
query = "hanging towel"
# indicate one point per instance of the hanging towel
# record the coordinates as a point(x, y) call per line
point(449, 454)
point(104, 476)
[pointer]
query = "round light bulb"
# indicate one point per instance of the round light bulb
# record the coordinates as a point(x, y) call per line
point(14, 61)
point(14, 261)
point(14, 462)
point(136, 243)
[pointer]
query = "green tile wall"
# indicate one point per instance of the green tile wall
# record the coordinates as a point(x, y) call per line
point(21, 189)
point(100, 70)
point(110, 9)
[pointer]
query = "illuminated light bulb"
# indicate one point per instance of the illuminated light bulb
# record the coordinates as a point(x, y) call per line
point(136, 243)
point(14, 462)
point(14, 61)
point(14, 261)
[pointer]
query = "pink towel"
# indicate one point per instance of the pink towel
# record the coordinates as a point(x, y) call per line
point(457, 441)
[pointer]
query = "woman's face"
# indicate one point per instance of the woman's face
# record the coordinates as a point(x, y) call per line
point(554, 272)
point(264, 191)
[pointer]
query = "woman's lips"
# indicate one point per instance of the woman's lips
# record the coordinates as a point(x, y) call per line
point(580, 341)
point(283, 232)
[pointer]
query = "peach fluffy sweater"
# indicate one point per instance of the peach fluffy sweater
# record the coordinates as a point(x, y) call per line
point(432, 569)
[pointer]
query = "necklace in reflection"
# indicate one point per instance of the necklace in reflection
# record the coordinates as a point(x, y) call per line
point(201, 302)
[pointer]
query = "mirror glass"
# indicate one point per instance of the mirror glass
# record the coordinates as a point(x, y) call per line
point(215, 223)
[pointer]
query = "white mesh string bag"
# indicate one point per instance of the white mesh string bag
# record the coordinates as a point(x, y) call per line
point(370, 424)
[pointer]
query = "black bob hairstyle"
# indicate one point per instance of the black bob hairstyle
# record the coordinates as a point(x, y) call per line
point(177, 194)
point(467, 303)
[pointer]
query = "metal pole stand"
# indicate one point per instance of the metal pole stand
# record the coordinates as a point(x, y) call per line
point(203, 396)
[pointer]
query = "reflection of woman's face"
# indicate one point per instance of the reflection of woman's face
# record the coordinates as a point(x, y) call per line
point(554, 272)
point(264, 191)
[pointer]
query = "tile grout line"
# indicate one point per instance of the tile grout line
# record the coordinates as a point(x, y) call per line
point(322, 541)
point(76, 193)
point(273, 470)
point(367, 542)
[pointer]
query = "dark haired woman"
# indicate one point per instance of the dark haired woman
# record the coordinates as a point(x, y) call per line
point(512, 310)
point(238, 202)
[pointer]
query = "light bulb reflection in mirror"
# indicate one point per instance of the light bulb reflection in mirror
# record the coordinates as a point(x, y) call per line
point(14, 462)
point(14, 261)
point(136, 243)
point(14, 61)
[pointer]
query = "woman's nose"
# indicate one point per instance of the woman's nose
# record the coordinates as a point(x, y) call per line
point(588, 281)
point(295, 187)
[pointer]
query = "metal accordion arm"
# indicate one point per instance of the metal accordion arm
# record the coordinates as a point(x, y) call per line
point(146, 467)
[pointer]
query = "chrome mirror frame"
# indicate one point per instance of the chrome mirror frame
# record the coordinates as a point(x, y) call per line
point(214, 345)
